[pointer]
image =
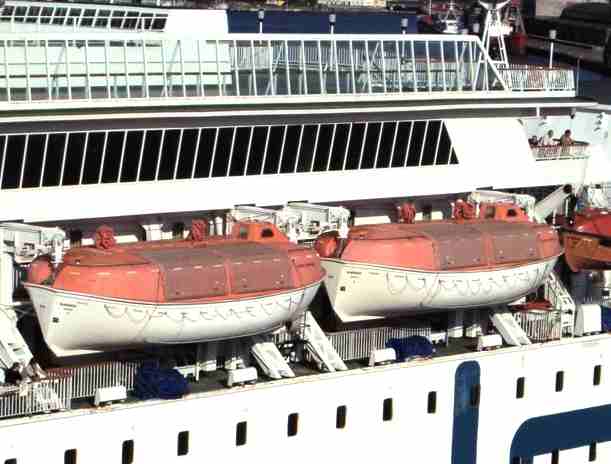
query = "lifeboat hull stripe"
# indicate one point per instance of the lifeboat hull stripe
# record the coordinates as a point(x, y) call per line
point(72, 322)
point(359, 291)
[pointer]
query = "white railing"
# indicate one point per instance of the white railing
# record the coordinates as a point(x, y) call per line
point(30, 16)
point(103, 65)
point(540, 325)
point(578, 150)
point(52, 394)
point(85, 380)
point(537, 78)
point(358, 344)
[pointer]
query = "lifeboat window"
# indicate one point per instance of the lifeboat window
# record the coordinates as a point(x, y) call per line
point(512, 213)
point(431, 405)
point(241, 430)
point(592, 452)
point(490, 212)
point(292, 425)
point(178, 229)
point(520, 384)
point(70, 456)
point(127, 452)
point(267, 233)
point(76, 238)
point(597, 374)
point(559, 381)
point(243, 233)
point(183, 443)
point(555, 456)
point(387, 410)
point(340, 417)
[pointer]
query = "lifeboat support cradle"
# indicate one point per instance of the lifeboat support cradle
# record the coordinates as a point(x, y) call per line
point(270, 360)
point(508, 327)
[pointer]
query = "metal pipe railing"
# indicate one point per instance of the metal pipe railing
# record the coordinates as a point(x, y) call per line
point(577, 150)
point(102, 65)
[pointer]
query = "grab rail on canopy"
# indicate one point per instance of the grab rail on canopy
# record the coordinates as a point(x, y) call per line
point(115, 65)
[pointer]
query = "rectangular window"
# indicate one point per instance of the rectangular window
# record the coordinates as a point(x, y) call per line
point(127, 452)
point(10, 461)
point(475, 395)
point(340, 417)
point(70, 456)
point(292, 425)
point(592, 452)
point(516, 460)
point(597, 374)
point(183, 443)
point(559, 381)
point(387, 409)
point(431, 404)
point(520, 384)
point(241, 433)
point(555, 457)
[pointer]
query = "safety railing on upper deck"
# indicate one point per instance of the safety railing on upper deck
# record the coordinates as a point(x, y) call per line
point(98, 66)
point(26, 16)
point(577, 150)
point(528, 78)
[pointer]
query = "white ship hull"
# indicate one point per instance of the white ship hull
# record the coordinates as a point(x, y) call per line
point(412, 434)
point(361, 291)
point(73, 321)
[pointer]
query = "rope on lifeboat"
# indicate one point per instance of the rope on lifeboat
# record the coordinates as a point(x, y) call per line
point(109, 311)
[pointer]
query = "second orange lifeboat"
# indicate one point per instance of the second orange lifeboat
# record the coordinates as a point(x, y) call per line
point(479, 258)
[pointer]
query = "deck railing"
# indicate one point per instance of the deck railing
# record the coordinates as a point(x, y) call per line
point(107, 66)
point(540, 325)
point(578, 150)
point(31, 16)
point(529, 78)
point(52, 394)
point(85, 380)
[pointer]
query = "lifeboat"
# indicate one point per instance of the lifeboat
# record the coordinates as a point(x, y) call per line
point(484, 257)
point(587, 240)
point(173, 291)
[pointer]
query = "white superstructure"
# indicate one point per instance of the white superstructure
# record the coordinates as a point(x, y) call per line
point(148, 130)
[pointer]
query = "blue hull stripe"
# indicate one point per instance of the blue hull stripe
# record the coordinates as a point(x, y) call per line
point(466, 414)
point(573, 429)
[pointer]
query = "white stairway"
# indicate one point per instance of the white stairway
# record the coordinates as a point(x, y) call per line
point(509, 329)
point(320, 347)
point(560, 298)
point(269, 359)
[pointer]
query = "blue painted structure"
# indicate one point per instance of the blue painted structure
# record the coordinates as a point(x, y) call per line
point(466, 413)
point(567, 430)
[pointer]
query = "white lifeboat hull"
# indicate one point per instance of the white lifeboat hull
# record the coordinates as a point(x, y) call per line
point(360, 291)
point(75, 322)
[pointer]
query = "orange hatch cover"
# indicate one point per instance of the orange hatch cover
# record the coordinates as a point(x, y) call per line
point(444, 245)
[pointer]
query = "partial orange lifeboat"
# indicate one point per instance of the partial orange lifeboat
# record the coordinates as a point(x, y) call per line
point(587, 240)
point(173, 291)
point(482, 257)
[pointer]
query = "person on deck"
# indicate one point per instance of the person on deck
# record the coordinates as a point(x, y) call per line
point(548, 139)
point(14, 375)
point(566, 139)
